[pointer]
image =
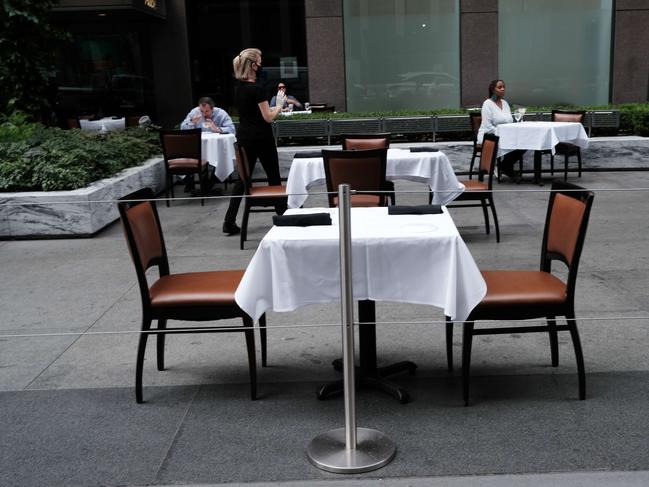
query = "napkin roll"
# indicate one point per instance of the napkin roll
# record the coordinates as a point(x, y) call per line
point(415, 210)
point(302, 220)
point(308, 154)
point(424, 149)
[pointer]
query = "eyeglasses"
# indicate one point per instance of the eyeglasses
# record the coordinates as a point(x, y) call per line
point(282, 87)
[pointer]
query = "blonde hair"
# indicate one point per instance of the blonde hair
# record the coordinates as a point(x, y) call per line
point(242, 64)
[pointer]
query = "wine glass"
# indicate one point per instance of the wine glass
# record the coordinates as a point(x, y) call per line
point(518, 115)
point(522, 111)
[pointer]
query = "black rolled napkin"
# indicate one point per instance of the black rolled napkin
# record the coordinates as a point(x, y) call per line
point(415, 210)
point(426, 148)
point(306, 154)
point(302, 220)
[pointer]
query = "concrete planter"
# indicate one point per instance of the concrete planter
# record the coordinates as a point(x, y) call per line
point(73, 213)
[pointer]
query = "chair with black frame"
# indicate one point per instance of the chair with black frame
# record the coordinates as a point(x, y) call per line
point(181, 150)
point(479, 190)
point(530, 294)
point(193, 296)
point(370, 141)
point(476, 121)
point(566, 149)
point(363, 170)
point(256, 198)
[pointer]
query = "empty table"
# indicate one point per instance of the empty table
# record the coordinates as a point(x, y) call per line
point(432, 168)
point(539, 137)
point(418, 259)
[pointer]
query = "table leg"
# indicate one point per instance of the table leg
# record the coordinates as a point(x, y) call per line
point(368, 375)
point(537, 167)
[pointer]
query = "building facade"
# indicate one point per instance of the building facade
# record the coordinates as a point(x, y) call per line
point(159, 56)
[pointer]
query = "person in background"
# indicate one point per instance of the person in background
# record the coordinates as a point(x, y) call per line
point(255, 131)
point(209, 118)
point(291, 101)
point(495, 110)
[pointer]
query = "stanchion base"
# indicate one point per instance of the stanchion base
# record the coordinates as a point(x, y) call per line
point(373, 450)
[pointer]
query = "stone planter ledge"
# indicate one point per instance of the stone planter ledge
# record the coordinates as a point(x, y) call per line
point(58, 214)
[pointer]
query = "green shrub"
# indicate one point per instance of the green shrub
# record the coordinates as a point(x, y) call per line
point(34, 158)
point(17, 127)
point(640, 120)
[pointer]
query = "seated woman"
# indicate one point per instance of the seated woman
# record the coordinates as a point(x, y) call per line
point(290, 102)
point(495, 110)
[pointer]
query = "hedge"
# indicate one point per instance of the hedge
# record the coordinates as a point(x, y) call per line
point(38, 158)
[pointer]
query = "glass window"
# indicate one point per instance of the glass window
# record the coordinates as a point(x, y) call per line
point(104, 75)
point(218, 31)
point(554, 52)
point(402, 54)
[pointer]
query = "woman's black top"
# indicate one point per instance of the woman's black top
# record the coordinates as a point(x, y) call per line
point(251, 123)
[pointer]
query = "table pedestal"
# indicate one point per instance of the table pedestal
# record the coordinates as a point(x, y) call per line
point(368, 375)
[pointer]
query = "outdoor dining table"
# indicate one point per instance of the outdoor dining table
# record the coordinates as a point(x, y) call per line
point(419, 259)
point(433, 168)
point(539, 137)
point(103, 125)
point(218, 151)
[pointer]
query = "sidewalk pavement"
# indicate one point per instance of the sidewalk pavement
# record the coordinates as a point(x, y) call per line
point(68, 413)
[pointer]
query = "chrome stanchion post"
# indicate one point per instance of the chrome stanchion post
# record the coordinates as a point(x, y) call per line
point(349, 449)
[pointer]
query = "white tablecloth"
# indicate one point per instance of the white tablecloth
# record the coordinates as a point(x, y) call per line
point(218, 150)
point(406, 258)
point(103, 125)
point(433, 168)
point(288, 114)
point(539, 135)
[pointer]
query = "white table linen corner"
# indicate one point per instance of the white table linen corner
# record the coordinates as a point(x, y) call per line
point(419, 259)
point(218, 150)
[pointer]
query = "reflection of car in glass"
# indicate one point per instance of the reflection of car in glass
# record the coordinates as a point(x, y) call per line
point(424, 84)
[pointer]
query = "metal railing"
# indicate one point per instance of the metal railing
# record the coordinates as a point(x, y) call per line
point(433, 124)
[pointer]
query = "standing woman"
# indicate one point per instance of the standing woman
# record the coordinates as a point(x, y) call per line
point(254, 133)
point(495, 110)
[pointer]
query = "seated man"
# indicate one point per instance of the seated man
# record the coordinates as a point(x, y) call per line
point(291, 101)
point(209, 118)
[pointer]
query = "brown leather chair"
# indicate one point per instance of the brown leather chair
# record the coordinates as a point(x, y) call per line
point(256, 198)
point(370, 141)
point(529, 294)
point(363, 170)
point(476, 121)
point(481, 190)
point(182, 155)
point(566, 149)
point(192, 296)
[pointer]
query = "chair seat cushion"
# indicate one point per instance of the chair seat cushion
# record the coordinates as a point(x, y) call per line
point(522, 288)
point(362, 200)
point(268, 191)
point(184, 163)
point(196, 289)
point(474, 185)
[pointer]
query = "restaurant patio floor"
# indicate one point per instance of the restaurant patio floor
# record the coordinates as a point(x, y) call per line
point(68, 415)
